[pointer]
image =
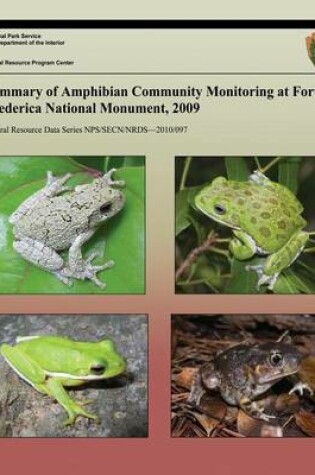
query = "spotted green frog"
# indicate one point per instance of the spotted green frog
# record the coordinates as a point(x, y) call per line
point(265, 218)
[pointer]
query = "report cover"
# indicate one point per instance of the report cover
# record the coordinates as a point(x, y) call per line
point(157, 231)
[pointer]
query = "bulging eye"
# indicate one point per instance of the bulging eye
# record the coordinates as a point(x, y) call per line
point(276, 359)
point(219, 209)
point(106, 208)
point(97, 369)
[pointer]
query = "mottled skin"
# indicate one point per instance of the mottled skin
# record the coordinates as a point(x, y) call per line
point(265, 217)
point(244, 372)
point(58, 218)
point(49, 363)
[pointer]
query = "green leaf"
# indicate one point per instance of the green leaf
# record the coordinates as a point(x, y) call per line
point(244, 281)
point(288, 173)
point(299, 279)
point(122, 239)
point(237, 168)
point(91, 162)
point(209, 273)
point(290, 283)
point(134, 161)
point(183, 201)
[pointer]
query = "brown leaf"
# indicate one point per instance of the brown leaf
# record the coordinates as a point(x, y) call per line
point(179, 397)
point(184, 378)
point(247, 425)
point(307, 371)
point(208, 423)
point(309, 41)
point(287, 403)
point(306, 422)
point(268, 430)
point(231, 414)
point(213, 407)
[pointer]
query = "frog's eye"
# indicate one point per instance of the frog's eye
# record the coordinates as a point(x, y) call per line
point(219, 209)
point(276, 359)
point(97, 369)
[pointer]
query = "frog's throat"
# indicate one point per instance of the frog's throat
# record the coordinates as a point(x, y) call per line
point(20, 374)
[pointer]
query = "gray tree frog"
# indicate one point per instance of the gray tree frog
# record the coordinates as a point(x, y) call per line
point(57, 218)
point(266, 220)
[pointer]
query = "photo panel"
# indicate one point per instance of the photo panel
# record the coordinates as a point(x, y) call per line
point(74, 376)
point(243, 376)
point(72, 225)
point(245, 225)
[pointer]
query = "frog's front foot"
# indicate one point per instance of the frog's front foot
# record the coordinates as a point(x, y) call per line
point(257, 410)
point(55, 185)
point(196, 391)
point(74, 410)
point(263, 279)
point(259, 178)
point(300, 388)
point(109, 180)
point(265, 417)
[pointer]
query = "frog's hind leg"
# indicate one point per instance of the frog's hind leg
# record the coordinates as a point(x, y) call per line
point(83, 269)
point(280, 260)
point(42, 256)
point(54, 186)
point(263, 279)
point(26, 368)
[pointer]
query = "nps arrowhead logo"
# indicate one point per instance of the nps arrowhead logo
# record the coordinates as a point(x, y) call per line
point(310, 45)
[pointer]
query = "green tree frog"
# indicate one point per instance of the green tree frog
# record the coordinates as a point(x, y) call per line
point(49, 363)
point(265, 218)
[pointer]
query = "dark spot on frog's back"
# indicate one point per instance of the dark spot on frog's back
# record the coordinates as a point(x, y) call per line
point(265, 215)
point(256, 205)
point(241, 201)
point(265, 231)
point(273, 201)
point(248, 193)
point(281, 237)
point(294, 209)
point(281, 224)
point(253, 220)
point(236, 185)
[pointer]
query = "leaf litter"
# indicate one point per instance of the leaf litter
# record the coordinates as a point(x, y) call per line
point(195, 341)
